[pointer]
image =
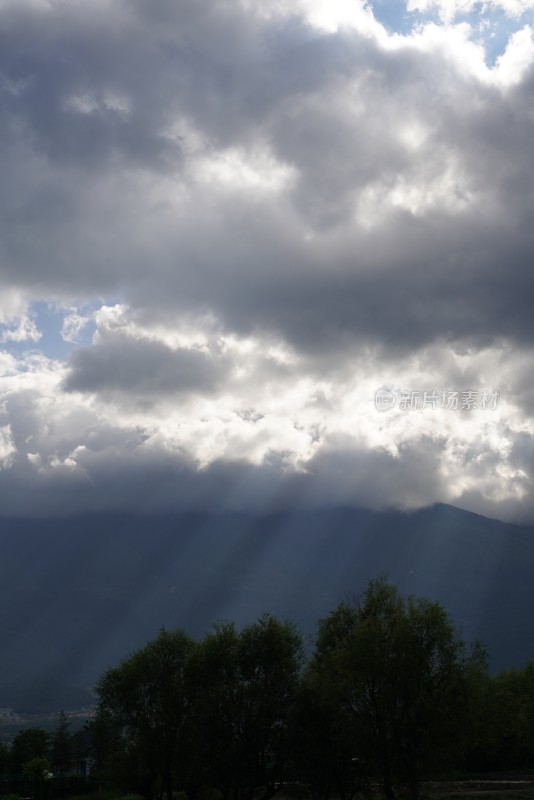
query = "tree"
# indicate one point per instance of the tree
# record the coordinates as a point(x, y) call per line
point(117, 763)
point(38, 770)
point(270, 664)
point(62, 750)
point(395, 665)
point(245, 685)
point(146, 700)
point(5, 759)
point(28, 744)
point(505, 737)
point(326, 741)
point(217, 709)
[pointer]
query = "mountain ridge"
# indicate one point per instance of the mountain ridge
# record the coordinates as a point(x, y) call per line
point(81, 593)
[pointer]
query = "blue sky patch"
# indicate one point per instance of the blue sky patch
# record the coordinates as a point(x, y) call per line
point(492, 27)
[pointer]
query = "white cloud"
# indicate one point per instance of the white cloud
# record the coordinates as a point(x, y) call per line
point(242, 171)
point(319, 424)
point(7, 447)
point(449, 9)
point(16, 321)
point(294, 208)
point(73, 325)
point(517, 59)
point(334, 15)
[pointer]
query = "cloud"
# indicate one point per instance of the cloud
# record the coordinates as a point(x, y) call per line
point(271, 210)
point(360, 165)
point(518, 57)
point(278, 429)
point(449, 9)
point(142, 367)
point(73, 325)
point(7, 448)
point(16, 321)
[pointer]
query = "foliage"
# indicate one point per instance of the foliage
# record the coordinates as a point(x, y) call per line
point(216, 727)
point(131, 797)
point(62, 745)
point(396, 673)
point(216, 714)
point(270, 661)
point(246, 685)
point(145, 703)
point(38, 769)
point(5, 758)
point(506, 726)
point(27, 745)
point(391, 693)
point(325, 741)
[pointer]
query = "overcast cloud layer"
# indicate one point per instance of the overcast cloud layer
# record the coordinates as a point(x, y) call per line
point(244, 218)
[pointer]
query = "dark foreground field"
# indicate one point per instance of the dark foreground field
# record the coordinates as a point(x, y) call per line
point(520, 787)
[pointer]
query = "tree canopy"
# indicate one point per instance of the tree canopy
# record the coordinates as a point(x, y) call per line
point(147, 700)
point(389, 693)
point(396, 670)
point(28, 744)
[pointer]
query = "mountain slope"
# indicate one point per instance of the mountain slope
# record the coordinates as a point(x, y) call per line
point(77, 595)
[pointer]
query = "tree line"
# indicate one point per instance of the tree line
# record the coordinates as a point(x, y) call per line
point(389, 696)
point(38, 756)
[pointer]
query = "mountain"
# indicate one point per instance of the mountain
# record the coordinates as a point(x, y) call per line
point(77, 595)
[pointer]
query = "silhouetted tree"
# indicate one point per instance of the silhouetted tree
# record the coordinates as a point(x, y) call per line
point(5, 759)
point(61, 746)
point(326, 741)
point(216, 687)
point(38, 770)
point(28, 744)
point(145, 698)
point(505, 736)
point(246, 685)
point(397, 667)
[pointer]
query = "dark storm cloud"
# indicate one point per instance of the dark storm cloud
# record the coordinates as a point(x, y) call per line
point(98, 98)
point(66, 69)
point(321, 208)
point(439, 279)
point(260, 446)
point(154, 480)
point(143, 368)
point(69, 148)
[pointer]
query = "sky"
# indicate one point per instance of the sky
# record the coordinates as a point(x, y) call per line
point(264, 255)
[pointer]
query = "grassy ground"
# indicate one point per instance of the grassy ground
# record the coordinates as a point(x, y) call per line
point(496, 794)
point(516, 788)
point(520, 787)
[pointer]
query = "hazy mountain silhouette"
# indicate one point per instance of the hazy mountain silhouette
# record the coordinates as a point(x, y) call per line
point(80, 594)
